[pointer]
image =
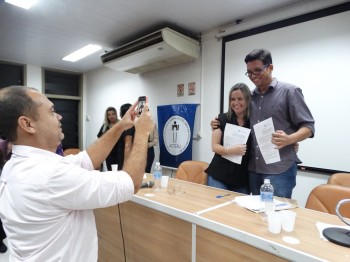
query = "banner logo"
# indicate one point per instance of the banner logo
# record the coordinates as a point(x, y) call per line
point(175, 128)
point(176, 135)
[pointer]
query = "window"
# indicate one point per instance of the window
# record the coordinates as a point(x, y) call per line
point(11, 74)
point(63, 89)
point(69, 110)
point(58, 83)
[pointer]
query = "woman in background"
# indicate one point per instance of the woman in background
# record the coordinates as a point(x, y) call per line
point(152, 141)
point(111, 118)
point(59, 150)
point(223, 173)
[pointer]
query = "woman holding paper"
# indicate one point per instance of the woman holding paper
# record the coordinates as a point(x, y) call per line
point(222, 171)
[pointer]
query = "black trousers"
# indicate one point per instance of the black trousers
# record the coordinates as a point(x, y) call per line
point(150, 159)
point(2, 232)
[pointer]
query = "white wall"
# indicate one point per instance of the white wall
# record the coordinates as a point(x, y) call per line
point(106, 87)
point(33, 77)
point(211, 72)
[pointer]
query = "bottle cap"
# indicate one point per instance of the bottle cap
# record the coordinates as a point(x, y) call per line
point(266, 180)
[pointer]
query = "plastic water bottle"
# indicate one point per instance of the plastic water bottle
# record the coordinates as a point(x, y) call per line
point(266, 196)
point(157, 176)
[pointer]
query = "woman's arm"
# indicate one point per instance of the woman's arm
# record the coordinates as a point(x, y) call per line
point(221, 150)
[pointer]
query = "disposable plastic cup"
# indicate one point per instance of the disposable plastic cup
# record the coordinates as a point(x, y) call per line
point(274, 222)
point(164, 181)
point(114, 167)
point(288, 220)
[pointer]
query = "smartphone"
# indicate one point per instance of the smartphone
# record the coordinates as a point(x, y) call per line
point(141, 104)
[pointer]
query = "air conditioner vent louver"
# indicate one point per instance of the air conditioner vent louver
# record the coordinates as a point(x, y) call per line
point(135, 46)
point(161, 49)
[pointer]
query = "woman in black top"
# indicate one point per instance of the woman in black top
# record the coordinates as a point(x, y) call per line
point(223, 173)
point(111, 118)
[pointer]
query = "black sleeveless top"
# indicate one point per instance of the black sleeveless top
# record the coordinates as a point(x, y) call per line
point(225, 171)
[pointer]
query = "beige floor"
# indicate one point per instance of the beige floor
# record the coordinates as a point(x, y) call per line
point(4, 257)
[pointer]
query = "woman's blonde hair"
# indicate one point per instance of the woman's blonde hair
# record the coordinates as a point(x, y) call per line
point(106, 121)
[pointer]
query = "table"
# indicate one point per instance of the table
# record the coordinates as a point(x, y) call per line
point(197, 226)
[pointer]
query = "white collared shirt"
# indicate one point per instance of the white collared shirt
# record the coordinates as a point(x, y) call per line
point(46, 203)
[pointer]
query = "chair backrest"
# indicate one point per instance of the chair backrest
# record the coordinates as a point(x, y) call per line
point(192, 171)
point(325, 198)
point(71, 151)
point(341, 179)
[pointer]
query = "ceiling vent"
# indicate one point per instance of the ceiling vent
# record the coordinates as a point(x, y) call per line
point(160, 49)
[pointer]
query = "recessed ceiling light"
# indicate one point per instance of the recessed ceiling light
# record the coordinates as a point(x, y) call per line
point(82, 52)
point(26, 4)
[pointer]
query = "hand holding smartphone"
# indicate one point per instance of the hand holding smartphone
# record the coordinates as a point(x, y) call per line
point(141, 105)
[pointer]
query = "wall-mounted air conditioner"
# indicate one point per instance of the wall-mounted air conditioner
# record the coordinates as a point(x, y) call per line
point(160, 49)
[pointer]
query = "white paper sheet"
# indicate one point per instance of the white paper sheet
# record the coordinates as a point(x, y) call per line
point(263, 133)
point(235, 135)
point(253, 203)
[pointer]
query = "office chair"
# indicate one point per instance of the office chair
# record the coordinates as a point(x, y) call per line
point(192, 171)
point(325, 198)
point(341, 179)
point(71, 151)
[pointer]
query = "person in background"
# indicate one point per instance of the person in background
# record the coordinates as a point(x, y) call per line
point(152, 141)
point(5, 149)
point(223, 173)
point(292, 120)
point(5, 154)
point(59, 150)
point(111, 118)
point(46, 200)
point(125, 141)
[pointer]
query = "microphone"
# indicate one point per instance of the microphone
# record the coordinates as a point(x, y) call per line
point(147, 184)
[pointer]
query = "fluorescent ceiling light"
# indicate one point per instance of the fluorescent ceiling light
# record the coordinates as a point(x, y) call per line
point(82, 52)
point(26, 4)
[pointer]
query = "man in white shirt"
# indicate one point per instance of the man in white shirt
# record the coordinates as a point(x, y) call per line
point(46, 200)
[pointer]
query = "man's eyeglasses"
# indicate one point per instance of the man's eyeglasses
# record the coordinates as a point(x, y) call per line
point(256, 71)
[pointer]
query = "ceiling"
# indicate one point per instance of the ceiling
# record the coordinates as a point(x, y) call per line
point(52, 29)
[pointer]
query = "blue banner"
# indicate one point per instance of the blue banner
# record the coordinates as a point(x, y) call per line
point(175, 128)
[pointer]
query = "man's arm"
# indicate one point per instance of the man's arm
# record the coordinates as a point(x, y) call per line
point(281, 139)
point(215, 123)
point(136, 162)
